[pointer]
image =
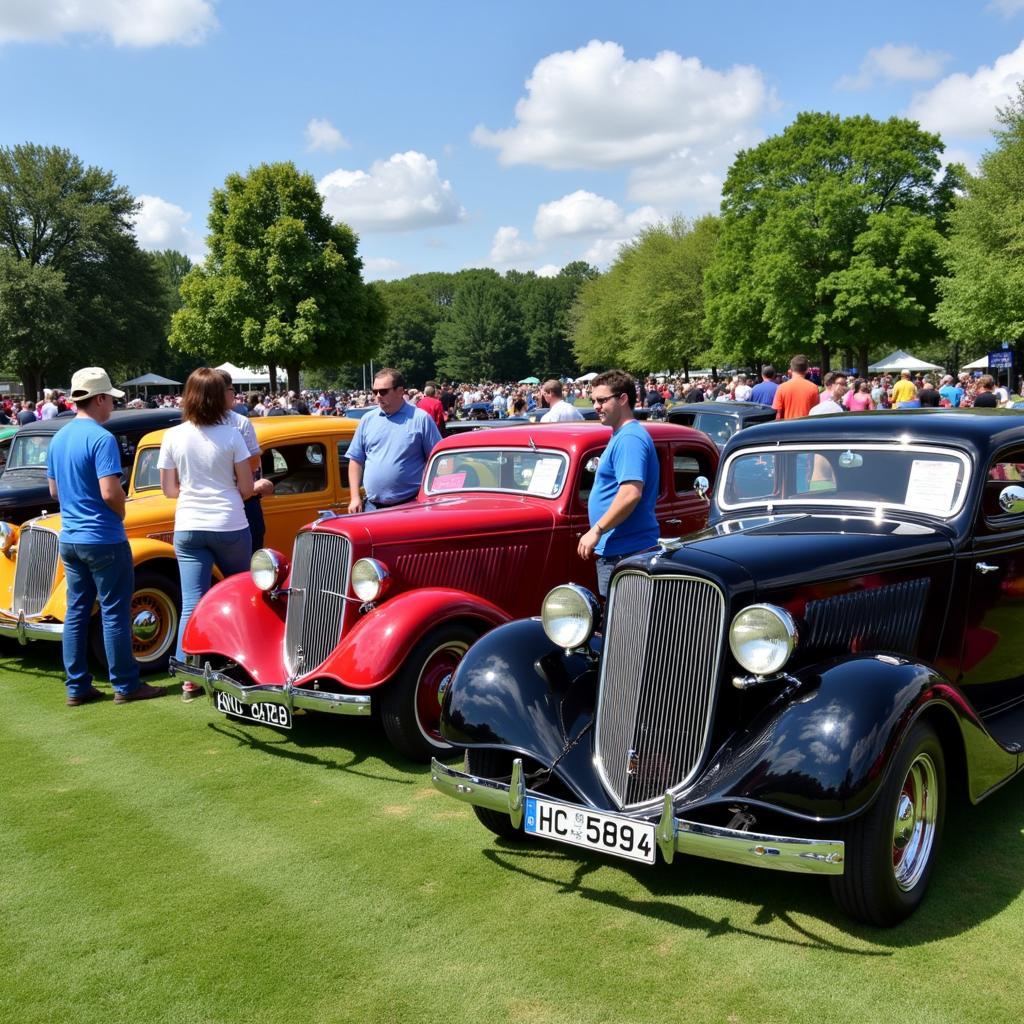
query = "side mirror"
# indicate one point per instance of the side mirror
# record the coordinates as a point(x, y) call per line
point(701, 486)
point(1011, 500)
point(591, 464)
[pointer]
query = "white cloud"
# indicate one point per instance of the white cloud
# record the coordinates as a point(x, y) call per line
point(604, 251)
point(135, 23)
point(1007, 8)
point(402, 193)
point(163, 225)
point(580, 213)
point(549, 270)
point(965, 105)
point(321, 134)
point(508, 247)
point(381, 268)
point(592, 107)
point(895, 63)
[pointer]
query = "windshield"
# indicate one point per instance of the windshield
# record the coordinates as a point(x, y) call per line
point(516, 470)
point(147, 476)
point(918, 478)
point(28, 451)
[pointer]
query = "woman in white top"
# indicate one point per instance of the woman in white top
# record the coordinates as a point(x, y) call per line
point(204, 463)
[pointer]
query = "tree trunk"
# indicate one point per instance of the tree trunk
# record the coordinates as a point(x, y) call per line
point(31, 379)
point(272, 372)
point(862, 360)
point(293, 378)
point(824, 358)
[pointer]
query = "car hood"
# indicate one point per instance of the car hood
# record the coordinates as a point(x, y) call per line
point(790, 550)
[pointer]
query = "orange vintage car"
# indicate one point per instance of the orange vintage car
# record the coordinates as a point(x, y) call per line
point(304, 456)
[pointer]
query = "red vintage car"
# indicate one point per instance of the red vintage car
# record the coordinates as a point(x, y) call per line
point(383, 605)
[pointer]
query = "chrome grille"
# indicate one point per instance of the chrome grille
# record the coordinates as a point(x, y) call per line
point(316, 608)
point(658, 683)
point(36, 570)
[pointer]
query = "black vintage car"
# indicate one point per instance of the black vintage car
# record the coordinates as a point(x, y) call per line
point(798, 686)
point(24, 492)
point(719, 420)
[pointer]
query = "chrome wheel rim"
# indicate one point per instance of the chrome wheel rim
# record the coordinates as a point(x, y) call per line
point(154, 620)
point(914, 823)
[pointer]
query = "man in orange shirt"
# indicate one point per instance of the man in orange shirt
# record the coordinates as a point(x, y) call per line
point(797, 396)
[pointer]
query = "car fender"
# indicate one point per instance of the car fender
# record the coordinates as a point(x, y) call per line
point(238, 621)
point(822, 748)
point(148, 549)
point(373, 649)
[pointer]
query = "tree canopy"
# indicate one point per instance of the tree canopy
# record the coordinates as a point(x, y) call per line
point(282, 284)
point(982, 299)
point(72, 279)
point(830, 240)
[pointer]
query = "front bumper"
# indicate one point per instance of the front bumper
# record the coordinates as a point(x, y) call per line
point(24, 630)
point(782, 853)
point(288, 696)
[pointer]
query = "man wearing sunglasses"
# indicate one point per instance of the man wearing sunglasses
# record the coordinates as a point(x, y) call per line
point(390, 448)
point(625, 491)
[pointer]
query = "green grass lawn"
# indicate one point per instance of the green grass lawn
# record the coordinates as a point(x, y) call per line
point(159, 862)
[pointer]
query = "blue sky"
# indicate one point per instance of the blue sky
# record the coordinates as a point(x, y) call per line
point(480, 134)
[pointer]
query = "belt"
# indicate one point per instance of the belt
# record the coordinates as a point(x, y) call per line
point(392, 504)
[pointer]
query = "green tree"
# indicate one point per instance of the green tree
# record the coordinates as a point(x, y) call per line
point(412, 319)
point(829, 238)
point(647, 312)
point(982, 299)
point(481, 338)
point(74, 285)
point(282, 283)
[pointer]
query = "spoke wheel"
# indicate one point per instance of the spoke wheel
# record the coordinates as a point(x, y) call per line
point(411, 702)
point(892, 847)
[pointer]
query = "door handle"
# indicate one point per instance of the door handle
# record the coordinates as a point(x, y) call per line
point(984, 568)
point(673, 522)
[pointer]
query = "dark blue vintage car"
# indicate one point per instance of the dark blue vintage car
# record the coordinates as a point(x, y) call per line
point(798, 686)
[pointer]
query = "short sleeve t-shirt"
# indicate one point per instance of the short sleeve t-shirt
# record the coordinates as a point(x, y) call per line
point(205, 458)
point(795, 398)
point(630, 456)
point(80, 455)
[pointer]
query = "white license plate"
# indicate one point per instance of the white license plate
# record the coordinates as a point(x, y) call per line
point(609, 833)
point(264, 713)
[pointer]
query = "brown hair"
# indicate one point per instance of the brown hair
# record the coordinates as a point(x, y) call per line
point(202, 402)
point(799, 364)
point(397, 378)
point(618, 382)
point(554, 386)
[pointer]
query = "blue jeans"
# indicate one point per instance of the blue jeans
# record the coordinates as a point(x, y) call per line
point(197, 551)
point(102, 572)
point(605, 565)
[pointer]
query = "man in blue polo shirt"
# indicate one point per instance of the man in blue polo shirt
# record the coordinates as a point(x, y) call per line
point(625, 491)
point(390, 448)
point(84, 472)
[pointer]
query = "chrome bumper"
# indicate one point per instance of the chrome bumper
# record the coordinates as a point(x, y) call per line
point(23, 630)
point(288, 696)
point(782, 853)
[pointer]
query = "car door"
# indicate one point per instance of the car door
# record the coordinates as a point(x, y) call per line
point(681, 510)
point(304, 474)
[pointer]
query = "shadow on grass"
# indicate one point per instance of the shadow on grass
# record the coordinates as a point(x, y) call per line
point(980, 872)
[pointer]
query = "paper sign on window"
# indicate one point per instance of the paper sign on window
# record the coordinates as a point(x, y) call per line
point(932, 485)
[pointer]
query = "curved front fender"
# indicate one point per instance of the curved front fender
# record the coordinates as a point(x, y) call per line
point(373, 650)
point(237, 621)
point(822, 750)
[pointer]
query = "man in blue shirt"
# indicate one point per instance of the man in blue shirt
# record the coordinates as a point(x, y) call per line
point(764, 393)
point(84, 472)
point(390, 448)
point(625, 491)
point(951, 392)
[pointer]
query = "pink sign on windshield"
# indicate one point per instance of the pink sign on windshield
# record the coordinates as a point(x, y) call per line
point(448, 481)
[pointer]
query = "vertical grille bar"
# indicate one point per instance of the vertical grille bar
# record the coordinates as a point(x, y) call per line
point(36, 571)
point(658, 683)
point(316, 608)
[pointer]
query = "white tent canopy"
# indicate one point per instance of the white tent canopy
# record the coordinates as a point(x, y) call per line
point(900, 360)
point(242, 376)
point(978, 364)
point(586, 378)
point(150, 380)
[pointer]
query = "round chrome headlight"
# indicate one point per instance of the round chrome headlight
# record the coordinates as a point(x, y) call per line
point(762, 638)
point(568, 615)
point(267, 569)
point(370, 579)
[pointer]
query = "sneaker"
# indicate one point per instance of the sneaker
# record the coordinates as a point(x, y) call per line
point(190, 691)
point(143, 692)
point(86, 698)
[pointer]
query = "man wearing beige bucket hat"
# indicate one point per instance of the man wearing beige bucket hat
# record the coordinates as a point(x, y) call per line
point(84, 471)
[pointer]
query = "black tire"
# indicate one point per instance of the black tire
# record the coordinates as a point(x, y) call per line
point(493, 764)
point(157, 595)
point(410, 704)
point(891, 849)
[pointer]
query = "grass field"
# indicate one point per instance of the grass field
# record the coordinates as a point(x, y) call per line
point(159, 863)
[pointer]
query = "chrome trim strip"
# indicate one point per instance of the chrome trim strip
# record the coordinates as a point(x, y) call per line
point(288, 696)
point(675, 835)
point(23, 630)
point(36, 569)
point(315, 617)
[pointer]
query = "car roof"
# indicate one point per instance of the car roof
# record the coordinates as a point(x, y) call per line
point(275, 429)
point(142, 420)
point(564, 435)
point(978, 429)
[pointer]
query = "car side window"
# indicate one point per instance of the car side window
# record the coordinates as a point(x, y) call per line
point(296, 468)
point(1006, 470)
point(147, 476)
point(686, 467)
point(588, 470)
point(343, 461)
